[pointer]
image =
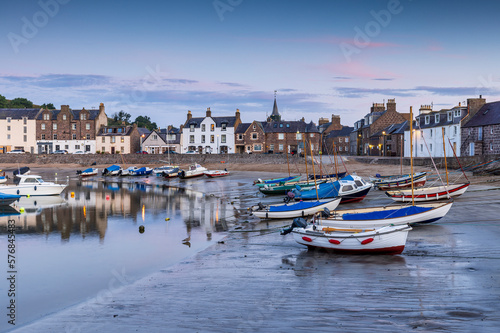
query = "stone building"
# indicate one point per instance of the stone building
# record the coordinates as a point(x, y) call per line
point(68, 129)
point(118, 139)
point(481, 132)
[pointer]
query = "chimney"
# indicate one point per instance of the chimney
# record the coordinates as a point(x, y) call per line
point(101, 108)
point(64, 108)
point(474, 104)
point(237, 114)
point(424, 109)
point(209, 113)
point(391, 105)
point(189, 116)
point(336, 122)
point(322, 121)
point(377, 107)
point(303, 120)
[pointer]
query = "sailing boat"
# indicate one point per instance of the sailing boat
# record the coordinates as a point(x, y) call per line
point(434, 192)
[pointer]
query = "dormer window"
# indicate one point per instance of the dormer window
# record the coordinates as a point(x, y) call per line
point(223, 126)
point(64, 117)
point(457, 113)
point(46, 116)
point(427, 120)
point(281, 125)
point(203, 127)
point(275, 125)
point(450, 116)
point(191, 128)
point(436, 118)
point(83, 116)
point(288, 125)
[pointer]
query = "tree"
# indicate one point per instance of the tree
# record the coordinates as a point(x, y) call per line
point(118, 118)
point(48, 106)
point(20, 103)
point(3, 102)
point(145, 121)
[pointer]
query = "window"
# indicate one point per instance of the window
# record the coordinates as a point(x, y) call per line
point(191, 139)
point(223, 127)
point(479, 133)
point(275, 125)
point(8, 119)
point(122, 150)
point(430, 146)
point(312, 146)
point(87, 126)
point(436, 118)
point(280, 147)
point(58, 147)
point(42, 126)
point(64, 117)
point(25, 120)
point(77, 147)
point(271, 147)
point(202, 139)
point(203, 127)
point(43, 136)
point(212, 138)
point(212, 127)
point(281, 125)
point(254, 136)
point(103, 150)
point(311, 135)
point(430, 131)
point(288, 125)
point(113, 139)
point(54, 126)
point(73, 127)
point(103, 139)
point(55, 137)
point(341, 139)
point(240, 136)
point(281, 136)
point(421, 147)
point(223, 138)
point(155, 137)
point(450, 116)
point(457, 113)
point(46, 116)
point(491, 146)
point(88, 136)
point(8, 136)
point(83, 116)
point(257, 147)
point(122, 139)
point(427, 120)
point(74, 136)
point(8, 128)
point(455, 131)
point(191, 128)
point(340, 148)
point(298, 136)
point(66, 147)
point(347, 140)
point(87, 148)
point(491, 130)
point(25, 129)
point(119, 130)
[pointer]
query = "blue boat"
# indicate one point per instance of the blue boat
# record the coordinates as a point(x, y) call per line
point(349, 189)
point(144, 171)
point(113, 170)
point(332, 175)
point(7, 199)
point(259, 182)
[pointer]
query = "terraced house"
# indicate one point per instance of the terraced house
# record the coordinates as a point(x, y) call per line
point(18, 129)
point(68, 129)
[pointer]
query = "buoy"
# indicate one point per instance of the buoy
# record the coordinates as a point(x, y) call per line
point(167, 219)
point(141, 229)
point(366, 241)
point(21, 210)
point(72, 194)
point(28, 196)
point(334, 241)
point(107, 197)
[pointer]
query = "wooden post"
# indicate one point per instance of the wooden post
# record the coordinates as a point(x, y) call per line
point(314, 172)
point(305, 153)
point(411, 156)
point(444, 154)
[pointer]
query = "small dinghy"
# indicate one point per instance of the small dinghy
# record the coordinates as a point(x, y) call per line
point(87, 172)
point(216, 173)
point(291, 210)
point(113, 170)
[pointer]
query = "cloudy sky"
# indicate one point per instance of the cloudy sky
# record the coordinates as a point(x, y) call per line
point(162, 58)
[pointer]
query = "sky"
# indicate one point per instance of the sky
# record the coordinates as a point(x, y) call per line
point(323, 57)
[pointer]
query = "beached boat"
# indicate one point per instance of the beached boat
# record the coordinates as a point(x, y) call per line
point(384, 240)
point(32, 185)
point(375, 217)
point(331, 175)
point(216, 173)
point(3, 179)
point(87, 172)
point(291, 210)
point(428, 193)
point(7, 199)
point(284, 188)
point(398, 182)
point(113, 170)
point(144, 171)
point(260, 182)
point(351, 188)
point(158, 172)
point(194, 170)
point(127, 171)
point(172, 173)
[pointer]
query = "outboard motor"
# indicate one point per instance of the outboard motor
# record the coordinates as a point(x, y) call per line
point(289, 196)
point(298, 222)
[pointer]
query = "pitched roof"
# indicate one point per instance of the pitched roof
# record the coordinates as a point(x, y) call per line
point(488, 114)
point(93, 113)
point(242, 128)
point(196, 121)
point(345, 131)
point(289, 127)
point(31, 113)
point(115, 130)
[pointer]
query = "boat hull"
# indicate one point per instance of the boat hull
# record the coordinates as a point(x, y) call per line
point(385, 240)
point(428, 194)
point(33, 190)
point(294, 209)
point(216, 173)
point(399, 182)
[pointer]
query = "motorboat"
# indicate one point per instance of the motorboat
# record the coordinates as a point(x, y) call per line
point(165, 168)
point(113, 170)
point(32, 185)
point(87, 172)
point(144, 171)
point(351, 188)
point(194, 170)
point(216, 173)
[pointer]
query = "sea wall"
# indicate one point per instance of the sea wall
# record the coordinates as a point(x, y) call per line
point(452, 162)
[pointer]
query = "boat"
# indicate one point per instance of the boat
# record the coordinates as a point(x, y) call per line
point(159, 171)
point(260, 182)
point(397, 182)
point(384, 240)
point(7, 199)
point(87, 172)
point(127, 171)
point(428, 193)
point(171, 173)
point(144, 171)
point(113, 170)
point(331, 175)
point(216, 173)
point(284, 188)
point(194, 170)
point(21, 171)
point(291, 210)
point(351, 188)
point(32, 185)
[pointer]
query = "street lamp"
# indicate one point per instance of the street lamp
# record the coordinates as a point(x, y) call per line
point(218, 144)
point(384, 150)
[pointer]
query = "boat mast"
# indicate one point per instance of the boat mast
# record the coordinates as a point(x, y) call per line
point(402, 150)
point(314, 172)
point(287, 162)
point(444, 154)
point(305, 152)
point(411, 156)
point(335, 160)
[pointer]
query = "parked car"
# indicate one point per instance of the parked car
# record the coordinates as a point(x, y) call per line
point(62, 151)
point(191, 152)
point(171, 152)
point(16, 151)
point(141, 152)
point(79, 152)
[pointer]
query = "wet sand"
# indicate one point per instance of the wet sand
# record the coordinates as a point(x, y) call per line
point(446, 280)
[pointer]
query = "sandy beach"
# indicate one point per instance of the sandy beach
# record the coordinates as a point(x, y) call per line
point(256, 280)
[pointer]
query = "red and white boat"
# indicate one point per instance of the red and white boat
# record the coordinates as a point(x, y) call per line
point(216, 173)
point(194, 170)
point(388, 183)
point(87, 172)
point(384, 240)
point(429, 193)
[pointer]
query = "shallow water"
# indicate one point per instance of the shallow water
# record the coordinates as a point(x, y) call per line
point(89, 241)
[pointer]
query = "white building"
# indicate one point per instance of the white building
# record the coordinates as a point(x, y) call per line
point(18, 129)
point(210, 135)
point(428, 132)
point(163, 140)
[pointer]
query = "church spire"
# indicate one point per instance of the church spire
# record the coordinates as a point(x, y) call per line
point(275, 115)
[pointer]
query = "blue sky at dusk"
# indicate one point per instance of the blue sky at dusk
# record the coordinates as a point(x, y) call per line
point(162, 58)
